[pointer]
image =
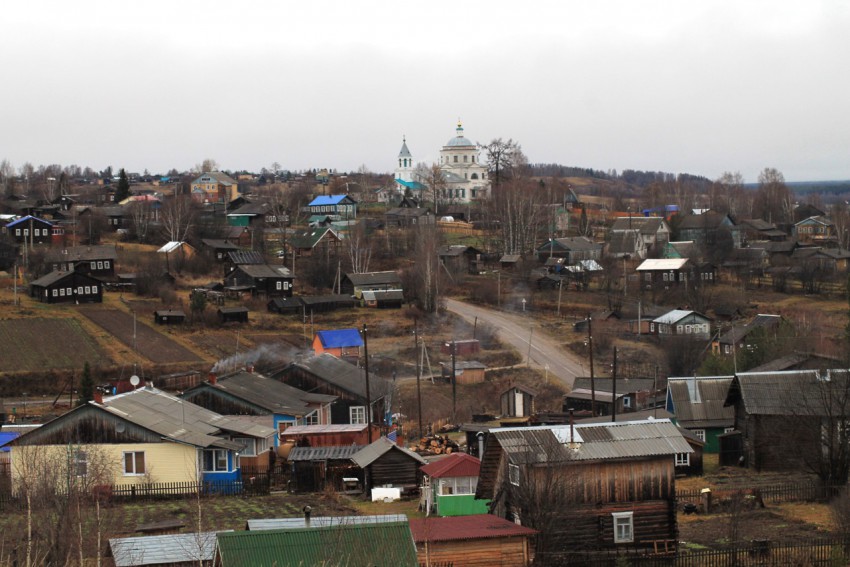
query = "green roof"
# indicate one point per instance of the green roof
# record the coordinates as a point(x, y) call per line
point(374, 545)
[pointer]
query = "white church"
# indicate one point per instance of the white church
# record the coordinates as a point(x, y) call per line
point(460, 162)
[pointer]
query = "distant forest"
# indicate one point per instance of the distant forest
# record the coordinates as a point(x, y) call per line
point(640, 179)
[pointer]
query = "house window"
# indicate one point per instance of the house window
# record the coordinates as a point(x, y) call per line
point(627, 402)
point(513, 474)
point(278, 285)
point(62, 291)
point(17, 232)
point(652, 327)
point(683, 459)
point(88, 290)
point(215, 460)
point(55, 293)
point(623, 527)
point(80, 290)
point(311, 419)
point(728, 429)
point(134, 463)
point(664, 275)
point(726, 349)
point(700, 433)
point(648, 276)
point(81, 464)
point(357, 415)
point(464, 485)
point(678, 329)
point(248, 447)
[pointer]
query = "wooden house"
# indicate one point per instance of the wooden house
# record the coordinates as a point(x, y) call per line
point(736, 338)
point(654, 231)
point(708, 228)
point(509, 261)
point(573, 249)
point(355, 284)
point(338, 342)
point(664, 273)
point(449, 486)
point(142, 432)
point(698, 405)
point(327, 374)
point(786, 420)
point(517, 401)
point(816, 229)
point(169, 317)
point(481, 540)
point(97, 261)
point(30, 230)
point(460, 259)
point(263, 280)
point(232, 314)
point(67, 287)
point(218, 248)
point(285, 305)
point(465, 371)
point(690, 464)
point(638, 393)
point(329, 435)
point(609, 486)
point(587, 401)
point(247, 392)
point(236, 258)
point(341, 205)
point(383, 299)
point(386, 464)
point(117, 217)
point(314, 241)
point(402, 217)
point(682, 323)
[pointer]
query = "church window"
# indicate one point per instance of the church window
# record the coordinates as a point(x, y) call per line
point(473, 159)
point(465, 158)
point(463, 193)
point(465, 176)
point(455, 159)
point(399, 163)
point(474, 176)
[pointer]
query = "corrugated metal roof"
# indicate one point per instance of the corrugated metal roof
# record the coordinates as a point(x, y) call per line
point(662, 264)
point(340, 338)
point(698, 402)
point(328, 428)
point(264, 392)
point(343, 375)
point(328, 200)
point(455, 528)
point(374, 278)
point(600, 395)
point(371, 453)
point(322, 521)
point(790, 393)
point(163, 549)
point(323, 453)
point(676, 315)
point(351, 544)
point(452, 466)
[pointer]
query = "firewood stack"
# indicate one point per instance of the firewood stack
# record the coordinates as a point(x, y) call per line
point(435, 445)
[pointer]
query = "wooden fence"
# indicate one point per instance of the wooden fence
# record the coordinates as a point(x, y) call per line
point(811, 491)
point(826, 552)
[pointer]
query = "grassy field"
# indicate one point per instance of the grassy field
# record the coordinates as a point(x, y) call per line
point(30, 345)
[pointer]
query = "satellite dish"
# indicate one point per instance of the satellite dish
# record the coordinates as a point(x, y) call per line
point(119, 427)
point(134, 380)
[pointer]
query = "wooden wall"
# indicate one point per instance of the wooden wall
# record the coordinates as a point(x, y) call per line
point(513, 551)
point(396, 468)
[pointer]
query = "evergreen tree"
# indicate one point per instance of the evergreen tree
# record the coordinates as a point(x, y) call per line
point(86, 386)
point(123, 190)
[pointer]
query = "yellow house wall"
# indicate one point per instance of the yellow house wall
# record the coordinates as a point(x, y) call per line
point(164, 462)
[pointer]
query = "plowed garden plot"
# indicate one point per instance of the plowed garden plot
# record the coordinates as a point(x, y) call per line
point(29, 345)
point(150, 344)
point(217, 345)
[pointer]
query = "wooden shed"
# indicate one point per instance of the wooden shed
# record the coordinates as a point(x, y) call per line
point(233, 314)
point(480, 540)
point(466, 371)
point(387, 464)
point(169, 317)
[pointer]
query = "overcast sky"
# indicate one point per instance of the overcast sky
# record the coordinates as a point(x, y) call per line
point(697, 87)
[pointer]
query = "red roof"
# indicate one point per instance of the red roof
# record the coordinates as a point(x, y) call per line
point(453, 528)
point(455, 465)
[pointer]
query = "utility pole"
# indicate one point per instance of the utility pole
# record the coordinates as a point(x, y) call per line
point(454, 384)
point(592, 382)
point(418, 373)
point(614, 388)
point(499, 291)
point(368, 392)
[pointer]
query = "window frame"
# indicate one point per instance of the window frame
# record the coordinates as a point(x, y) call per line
point(214, 461)
point(358, 411)
point(624, 520)
point(700, 434)
point(513, 474)
point(249, 446)
point(683, 459)
point(135, 461)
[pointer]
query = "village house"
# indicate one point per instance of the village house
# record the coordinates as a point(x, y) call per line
point(96, 261)
point(664, 273)
point(402, 217)
point(593, 402)
point(697, 404)
point(682, 323)
point(214, 187)
point(388, 465)
point(654, 231)
point(355, 284)
point(460, 259)
point(341, 205)
point(30, 230)
point(708, 228)
point(754, 230)
point(67, 287)
point(449, 486)
point(219, 247)
point(815, 230)
point(572, 249)
point(254, 215)
point(383, 299)
point(313, 241)
point(638, 393)
point(326, 374)
point(247, 392)
point(736, 337)
point(262, 280)
point(142, 435)
point(610, 485)
point(481, 540)
point(340, 343)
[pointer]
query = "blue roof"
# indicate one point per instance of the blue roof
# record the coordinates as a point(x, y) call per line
point(340, 338)
point(414, 185)
point(327, 200)
point(26, 218)
point(5, 437)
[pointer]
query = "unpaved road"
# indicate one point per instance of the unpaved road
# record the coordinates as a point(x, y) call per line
point(517, 330)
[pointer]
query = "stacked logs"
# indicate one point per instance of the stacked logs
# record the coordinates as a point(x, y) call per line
point(435, 445)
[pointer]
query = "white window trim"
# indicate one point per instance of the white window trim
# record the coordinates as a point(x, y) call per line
point(249, 447)
point(700, 433)
point(683, 459)
point(617, 516)
point(214, 468)
point(513, 474)
point(124, 463)
point(357, 410)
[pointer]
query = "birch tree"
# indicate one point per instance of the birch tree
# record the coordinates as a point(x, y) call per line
point(177, 215)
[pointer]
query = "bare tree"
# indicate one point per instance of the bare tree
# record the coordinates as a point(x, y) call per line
point(177, 216)
point(141, 217)
point(423, 278)
point(505, 160)
point(773, 200)
point(727, 193)
point(433, 178)
point(7, 177)
point(515, 206)
point(206, 166)
point(359, 249)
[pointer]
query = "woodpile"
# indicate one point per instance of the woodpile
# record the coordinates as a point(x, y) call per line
point(435, 445)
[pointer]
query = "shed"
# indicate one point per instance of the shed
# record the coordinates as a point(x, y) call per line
point(338, 342)
point(466, 371)
point(462, 347)
point(481, 540)
point(386, 464)
point(174, 550)
point(169, 317)
point(383, 299)
point(319, 468)
point(285, 305)
point(233, 314)
point(517, 401)
point(449, 487)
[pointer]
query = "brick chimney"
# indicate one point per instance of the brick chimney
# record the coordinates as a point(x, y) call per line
point(211, 378)
point(250, 367)
point(98, 396)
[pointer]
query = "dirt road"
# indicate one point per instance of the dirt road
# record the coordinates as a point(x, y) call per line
point(523, 334)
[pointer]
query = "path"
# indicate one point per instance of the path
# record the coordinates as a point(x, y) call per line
point(518, 330)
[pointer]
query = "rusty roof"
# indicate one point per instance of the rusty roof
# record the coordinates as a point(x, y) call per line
point(454, 528)
point(452, 466)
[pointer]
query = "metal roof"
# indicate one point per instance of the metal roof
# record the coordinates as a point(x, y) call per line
point(163, 549)
point(78, 253)
point(676, 315)
point(322, 521)
point(455, 528)
point(452, 466)
point(698, 402)
point(790, 393)
point(343, 375)
point(662, 264)
point(349, 544)
point(340, 338)
point(343, 452)
point(245, 257)
point(602, 396)
point(264, 271)
point(327, 428)
point(328, 200)
point(374, 278)
point(371, 453)
point(644, 225)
